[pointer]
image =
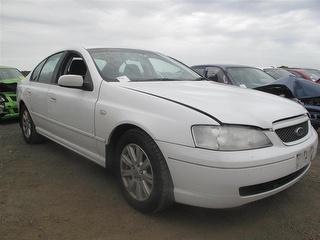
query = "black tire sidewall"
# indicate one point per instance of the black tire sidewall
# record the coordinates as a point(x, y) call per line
point(33, 135)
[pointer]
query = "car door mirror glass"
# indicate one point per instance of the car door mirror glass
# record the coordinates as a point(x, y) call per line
point(70, 80)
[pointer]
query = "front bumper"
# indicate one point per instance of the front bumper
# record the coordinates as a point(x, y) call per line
point(11, 108)
point(213, 179)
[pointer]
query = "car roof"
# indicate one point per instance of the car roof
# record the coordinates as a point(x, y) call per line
point(83, 50)
point(275, 68)
point(223, 66)
point(2, 67)
point(303, 69)
point(120, 49)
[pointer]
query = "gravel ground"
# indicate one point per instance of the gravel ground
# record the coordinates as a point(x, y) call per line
point(48, 192)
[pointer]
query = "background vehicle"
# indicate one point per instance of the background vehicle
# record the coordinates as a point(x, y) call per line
point(167, 135)
point(306, 73)
point(308, 93)
point(9, 77)
point(278, 73)
point(242, 76)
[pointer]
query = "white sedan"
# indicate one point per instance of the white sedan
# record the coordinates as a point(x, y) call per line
point(168, 134)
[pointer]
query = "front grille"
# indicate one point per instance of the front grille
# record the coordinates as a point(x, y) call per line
point(268, 186)
point(293, 133)
point(13, 98)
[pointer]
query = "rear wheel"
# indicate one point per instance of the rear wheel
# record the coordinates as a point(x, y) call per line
point(142, 172)
point(29, 132)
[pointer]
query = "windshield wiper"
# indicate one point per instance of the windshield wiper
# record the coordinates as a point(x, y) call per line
point(163, 79)
point(175, 79)
point(201, 79)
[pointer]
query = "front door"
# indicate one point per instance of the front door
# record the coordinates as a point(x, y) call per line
point(71, 110)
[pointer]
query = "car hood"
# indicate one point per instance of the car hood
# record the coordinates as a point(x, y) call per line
point(299, 87)
point(293, 87)
point(276, 89)
point(228, 104)
point(10, 81)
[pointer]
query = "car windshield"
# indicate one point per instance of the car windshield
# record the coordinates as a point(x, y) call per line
point(313, 73)
point(10, 73)
point(248, 77)
point(125, 65)
point(278, 73)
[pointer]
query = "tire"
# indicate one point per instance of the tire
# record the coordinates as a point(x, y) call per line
point(29, 132)
point(2, 106)
point(160, 194)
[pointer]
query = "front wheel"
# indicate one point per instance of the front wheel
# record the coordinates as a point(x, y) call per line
point(29, 132)
point(2, 106)
point(142, 172)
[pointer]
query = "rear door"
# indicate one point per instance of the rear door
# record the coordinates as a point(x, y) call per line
point(37, 89)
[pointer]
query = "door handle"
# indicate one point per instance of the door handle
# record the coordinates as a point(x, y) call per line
point(29, 93)
point(52, 99)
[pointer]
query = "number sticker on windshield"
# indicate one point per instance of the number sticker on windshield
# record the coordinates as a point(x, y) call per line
point(123, 79)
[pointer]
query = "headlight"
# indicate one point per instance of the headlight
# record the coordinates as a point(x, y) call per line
point(229, 138)
point(2, 104)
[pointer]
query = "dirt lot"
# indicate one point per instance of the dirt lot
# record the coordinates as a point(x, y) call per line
point(48, 192)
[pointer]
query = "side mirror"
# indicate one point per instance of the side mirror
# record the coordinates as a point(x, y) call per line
point(72, 81)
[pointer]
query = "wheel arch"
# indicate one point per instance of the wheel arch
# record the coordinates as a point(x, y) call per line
point(115, 135)
point(21, 105)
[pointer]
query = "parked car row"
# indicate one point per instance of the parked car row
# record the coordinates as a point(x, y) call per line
point(290, 85)
point(276, 81)
point(309, 74)
point(169, 133)
point(305, 73)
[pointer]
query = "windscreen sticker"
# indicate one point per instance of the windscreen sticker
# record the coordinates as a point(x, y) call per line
point(123, 79)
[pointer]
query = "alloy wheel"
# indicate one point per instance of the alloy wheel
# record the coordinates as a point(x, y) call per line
point(136, 172)
point(26, 124)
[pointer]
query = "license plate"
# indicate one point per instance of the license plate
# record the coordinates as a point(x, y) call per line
point(303, 158)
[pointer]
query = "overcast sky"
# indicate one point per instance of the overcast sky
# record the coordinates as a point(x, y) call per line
point(257, 33)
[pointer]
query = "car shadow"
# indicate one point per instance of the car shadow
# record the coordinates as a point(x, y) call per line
point(64, 183)
point(179, 212)
point(9, 121)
